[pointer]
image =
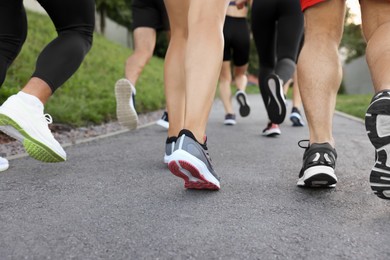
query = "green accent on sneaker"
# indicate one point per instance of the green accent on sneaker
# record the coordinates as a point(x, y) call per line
point(34, 148)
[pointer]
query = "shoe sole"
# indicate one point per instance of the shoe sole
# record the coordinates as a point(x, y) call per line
point(294, 118)
point(276, 108)
point(244, 107)
point(33, 147)
point(379, 113)
point(193, 171)
point(229, 122)
point(318, 177)
point(125, 114)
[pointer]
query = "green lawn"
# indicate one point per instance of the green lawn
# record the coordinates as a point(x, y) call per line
point(88, 97)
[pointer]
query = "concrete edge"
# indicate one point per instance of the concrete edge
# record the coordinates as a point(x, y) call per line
point(22, 155)
point(354, 118)
point(18, 156)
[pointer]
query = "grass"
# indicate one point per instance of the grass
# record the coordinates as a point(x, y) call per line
point(355, 105)
point(88, 97)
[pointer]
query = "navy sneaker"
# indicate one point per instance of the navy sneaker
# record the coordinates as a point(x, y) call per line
point(319, 161)
point(296, 117)
point(276, 106)
point(242, 100)
point(230, 119)
point(377, 122)
point(169, 148)
point(191, 162)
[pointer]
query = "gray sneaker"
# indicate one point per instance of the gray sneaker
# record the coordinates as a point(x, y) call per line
point(169, 148)
point(191, 162)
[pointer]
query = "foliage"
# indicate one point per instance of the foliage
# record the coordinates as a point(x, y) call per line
point(118, 10)
point(88, 97)
point(352, 42)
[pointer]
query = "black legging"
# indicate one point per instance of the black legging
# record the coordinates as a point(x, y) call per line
point(74, 21)
point(277, 27)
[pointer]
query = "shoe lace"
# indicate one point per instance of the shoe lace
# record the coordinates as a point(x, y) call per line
point(305, 143)
point(48, 118)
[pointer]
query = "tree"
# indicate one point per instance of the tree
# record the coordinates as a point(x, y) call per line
point(118, 10)
point(352, 42)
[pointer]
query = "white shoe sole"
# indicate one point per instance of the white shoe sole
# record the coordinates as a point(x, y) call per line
point(318, 177)
point(126, 114)
point(163, 123)
point(195, 173)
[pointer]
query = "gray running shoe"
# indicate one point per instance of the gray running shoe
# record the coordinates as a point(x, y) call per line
point(378, 129)
point(191, 162)
point(169, 148)
point(319, 161)
point(125, 108)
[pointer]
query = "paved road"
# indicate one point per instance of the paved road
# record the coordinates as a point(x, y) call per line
point(115, 199)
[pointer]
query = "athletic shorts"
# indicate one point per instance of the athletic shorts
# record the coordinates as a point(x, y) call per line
point(307, 3)
point(150, 13)
point(236, 36)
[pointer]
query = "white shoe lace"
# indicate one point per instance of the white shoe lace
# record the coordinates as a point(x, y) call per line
point(48, 118)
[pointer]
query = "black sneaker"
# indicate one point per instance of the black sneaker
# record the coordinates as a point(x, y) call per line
point(191, 161)
point(242, 100)
point(164, 121)
point(319, 161)
point(296, 117)
point(230, 119)
point(276, 106)
point(378, 129)
point(169, 148)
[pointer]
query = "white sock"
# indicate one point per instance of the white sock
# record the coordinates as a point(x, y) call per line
point(31, 100)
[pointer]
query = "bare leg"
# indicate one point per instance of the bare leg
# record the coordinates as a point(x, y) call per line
point(174, 71)
point(376, 29)
point(296, 99)
point(240, 77)
point(144, 44)
point(196, 25)
point(225, 80)
point(39, 89)
point(319, 69)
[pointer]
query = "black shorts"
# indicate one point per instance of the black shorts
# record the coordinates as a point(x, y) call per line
point(150, 13)
point(236, 35)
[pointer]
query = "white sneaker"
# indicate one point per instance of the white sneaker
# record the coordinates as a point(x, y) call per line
point(3, 164)
point(125, 110)
point(164, 121)
point(29, 125)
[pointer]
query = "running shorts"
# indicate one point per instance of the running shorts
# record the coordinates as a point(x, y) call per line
point(237, 41)
point(150, 13)
point(307, 3)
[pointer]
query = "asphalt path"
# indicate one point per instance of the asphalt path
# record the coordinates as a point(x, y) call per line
point(115, 199)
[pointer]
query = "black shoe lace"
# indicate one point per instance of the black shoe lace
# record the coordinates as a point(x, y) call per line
point(305, 143)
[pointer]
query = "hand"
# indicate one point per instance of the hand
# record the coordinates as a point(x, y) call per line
point(241, 3)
